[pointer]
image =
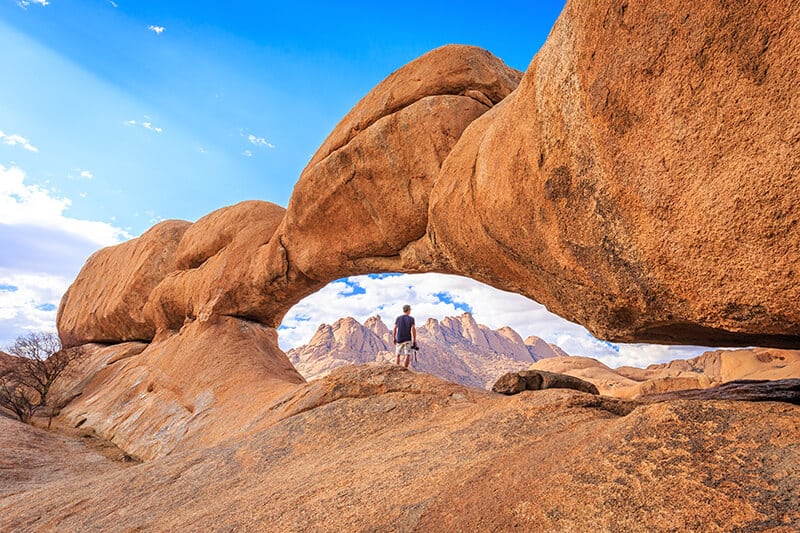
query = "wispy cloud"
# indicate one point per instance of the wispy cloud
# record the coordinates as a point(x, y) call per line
point(82, 174)
point(146, 124)
point(49, 248)
point(113, 4)
point(254, 140)
point(259, 141)
point(440, 295)
point(158, 30)
point(25, 3)
point(17, 140)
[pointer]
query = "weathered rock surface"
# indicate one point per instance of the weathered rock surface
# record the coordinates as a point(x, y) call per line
point(362, 202)
point(31, 458)
point(728, 365)
point(457, 349)
point(708, 370)
point(641, 181)
point(516, 382)
point(782, 390)
point(194, 389)
point(212, 265)
point(106, 301)
point(380, 448)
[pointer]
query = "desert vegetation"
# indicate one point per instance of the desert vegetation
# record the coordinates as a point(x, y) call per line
point(35, 362)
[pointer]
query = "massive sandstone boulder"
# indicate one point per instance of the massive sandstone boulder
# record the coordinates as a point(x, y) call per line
point(361, 204)
point(106, 301)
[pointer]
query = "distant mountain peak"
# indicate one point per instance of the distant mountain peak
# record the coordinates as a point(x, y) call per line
point(456, 348)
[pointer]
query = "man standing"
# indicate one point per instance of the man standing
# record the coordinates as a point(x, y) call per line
point(404, 334)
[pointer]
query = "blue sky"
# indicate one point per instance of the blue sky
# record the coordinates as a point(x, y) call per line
point(227, 103)
point(115, 115)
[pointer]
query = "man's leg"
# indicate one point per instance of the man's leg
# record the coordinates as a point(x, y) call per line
point(408, 355)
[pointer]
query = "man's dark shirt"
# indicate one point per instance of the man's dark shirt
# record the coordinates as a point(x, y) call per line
point(404, 323)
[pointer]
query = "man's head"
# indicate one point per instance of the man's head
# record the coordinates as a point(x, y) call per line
point(406, 309)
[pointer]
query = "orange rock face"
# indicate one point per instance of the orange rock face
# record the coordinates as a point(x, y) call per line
point(212, 264)
point(106, 301)
point(207, 384)
point(641, 181)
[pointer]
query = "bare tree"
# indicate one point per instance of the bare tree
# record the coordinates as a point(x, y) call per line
point(40, 360)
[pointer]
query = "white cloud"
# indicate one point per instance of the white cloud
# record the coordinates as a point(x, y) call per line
point(146, 124)
point(254, 140)
point(25, 3)
point(113, 4)
point(28, 303)
point(82, 174)
point(259, 141)
point(30, 205)
point(158, 30)
point(17, 140)
point(440, 295)
point(49, 248)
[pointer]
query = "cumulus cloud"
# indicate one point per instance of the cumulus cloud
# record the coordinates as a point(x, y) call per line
point(158, 30)
point(28, 303)
point(17, 140)
point(440, 295)
point(49, 248)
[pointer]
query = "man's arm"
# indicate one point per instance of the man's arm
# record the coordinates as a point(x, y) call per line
point(394, 334)
point(413, 334)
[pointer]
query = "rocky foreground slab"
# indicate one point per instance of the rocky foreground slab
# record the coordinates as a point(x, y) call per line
point(380, 448)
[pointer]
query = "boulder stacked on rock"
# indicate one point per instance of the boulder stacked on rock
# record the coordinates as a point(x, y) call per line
point(516, 382)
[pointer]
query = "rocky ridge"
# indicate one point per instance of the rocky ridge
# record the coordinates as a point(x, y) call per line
point(710, 369)
point(456, 349)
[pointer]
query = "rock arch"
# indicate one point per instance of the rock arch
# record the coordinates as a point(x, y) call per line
point(640, 179)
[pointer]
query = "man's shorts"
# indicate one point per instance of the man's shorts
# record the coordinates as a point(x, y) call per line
point(403, 348)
